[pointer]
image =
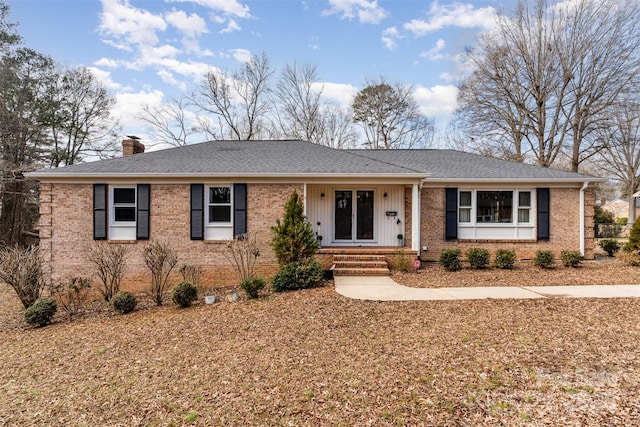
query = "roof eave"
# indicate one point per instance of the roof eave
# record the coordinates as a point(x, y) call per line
point(518, 180)
point(53, 176)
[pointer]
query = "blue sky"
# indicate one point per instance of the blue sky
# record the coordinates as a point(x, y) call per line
point(145, 51)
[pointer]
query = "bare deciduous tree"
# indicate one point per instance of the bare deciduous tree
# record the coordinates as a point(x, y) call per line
point(390, 117)
point(110, 265)
point(21, 268)
point(238, 103)
point(160, 258)
point(545, 77)
point(621, 156)
point(79, 117)
point(170, 123)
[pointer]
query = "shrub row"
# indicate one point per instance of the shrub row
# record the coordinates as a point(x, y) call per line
point(478, 258)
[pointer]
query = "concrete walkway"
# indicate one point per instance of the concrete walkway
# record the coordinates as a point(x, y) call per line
point(385, 289)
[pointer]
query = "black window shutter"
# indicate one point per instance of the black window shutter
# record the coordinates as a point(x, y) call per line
point(543, 204)
point(143, 206)
point(451, 218)
point(197, 211)
point(100, 211)
point(239, 209)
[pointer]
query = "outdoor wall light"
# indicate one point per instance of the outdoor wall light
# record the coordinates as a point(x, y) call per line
point(322, 195)
point(385, 195)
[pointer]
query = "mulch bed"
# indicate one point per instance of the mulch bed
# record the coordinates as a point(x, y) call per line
point(313, 357)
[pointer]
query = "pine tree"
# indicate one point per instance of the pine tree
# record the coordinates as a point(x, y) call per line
point(293, 238)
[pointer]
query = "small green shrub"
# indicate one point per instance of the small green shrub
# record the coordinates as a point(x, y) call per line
point(184, 294)
point(571, 258)
point(41, 311)
point(634, 236)
point(478, 258)
point(450, 259)
point(123, 302)
point(252, 286)
point(301, 274)
point(505, 258)
point(543, 259)
point(610, 246)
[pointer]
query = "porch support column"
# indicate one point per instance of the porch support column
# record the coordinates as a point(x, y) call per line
point(304, 199)
point(415, 218)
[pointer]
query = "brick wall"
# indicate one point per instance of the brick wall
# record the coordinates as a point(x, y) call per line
point(564, 230)
point(66, 230)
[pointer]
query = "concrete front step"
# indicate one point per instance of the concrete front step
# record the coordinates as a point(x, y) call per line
point(360, 265)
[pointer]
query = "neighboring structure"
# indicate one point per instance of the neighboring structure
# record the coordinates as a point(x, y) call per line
point(418, 202)
point(620, 207)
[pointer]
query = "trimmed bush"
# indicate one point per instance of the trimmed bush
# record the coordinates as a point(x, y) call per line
point(450, 259)
point(478, 258)
point(610, 246)
point(252, 286)
point(184, 294)
point(302, 274)
point(123, 302)
point(543, 259)
point(505, 258)
point(41, 311)
point(293, 238)
point(571, 258)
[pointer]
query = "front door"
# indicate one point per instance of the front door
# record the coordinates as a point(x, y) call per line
point(354, 220)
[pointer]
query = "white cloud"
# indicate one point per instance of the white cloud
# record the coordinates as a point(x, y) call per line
point(106, 62)
point(367, 11)
point(231, 27)
point(389, 37)
point(435, 53)
point(453, 15)
point(104, 77)
point(436, 101)
point(241, 55)
point(129, 106)
point(191, 26)
point(337, 92)
point(128, 25)
point(228, 7)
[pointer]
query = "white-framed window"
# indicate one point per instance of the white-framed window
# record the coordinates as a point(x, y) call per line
point(122, 202)
point(496, 214)
point(219, 212)
point(524, 207)
point(464, 206)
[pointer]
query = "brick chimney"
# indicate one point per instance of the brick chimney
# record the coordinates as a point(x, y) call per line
point(131, 146)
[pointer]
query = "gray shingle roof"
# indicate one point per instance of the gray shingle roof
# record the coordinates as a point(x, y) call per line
point(299, 158)
point(451, 165)
point(237, 158)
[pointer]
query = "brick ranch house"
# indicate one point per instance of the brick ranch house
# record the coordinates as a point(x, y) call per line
point(364, 202)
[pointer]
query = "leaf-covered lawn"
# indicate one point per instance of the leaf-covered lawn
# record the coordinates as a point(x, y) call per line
point(316, 358)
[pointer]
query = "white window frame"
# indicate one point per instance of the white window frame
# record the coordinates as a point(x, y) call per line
point(122, 230)
point(498, 230)
point(218, 230)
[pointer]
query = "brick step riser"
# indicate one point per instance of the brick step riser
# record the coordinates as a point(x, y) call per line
point(361, 272)
point(337, 258)
point(360, 264)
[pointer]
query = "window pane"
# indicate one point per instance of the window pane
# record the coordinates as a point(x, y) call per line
point(124, 195)
point(465, 198)
point(125, 214)
point(524, 199)
point(219, 195)
point(465, 215)
point(219, 213)
point(495, 206)
point(523, 215)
